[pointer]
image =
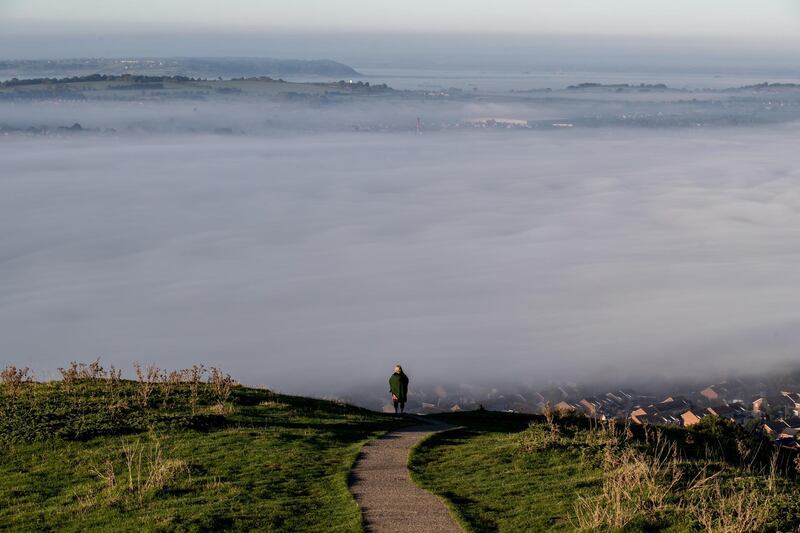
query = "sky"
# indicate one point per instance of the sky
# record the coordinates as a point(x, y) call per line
point(562, 35)
point(739, 19)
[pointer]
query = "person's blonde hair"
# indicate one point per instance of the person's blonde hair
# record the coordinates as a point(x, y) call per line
point(398, 369)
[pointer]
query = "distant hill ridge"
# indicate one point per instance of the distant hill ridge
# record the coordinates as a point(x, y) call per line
point(199, 67)
point(140, 81)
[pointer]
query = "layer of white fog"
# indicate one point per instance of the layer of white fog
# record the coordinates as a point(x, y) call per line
point(286, 117)
point(318, 261)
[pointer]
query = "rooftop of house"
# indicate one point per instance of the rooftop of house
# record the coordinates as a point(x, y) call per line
point(787, 442)
point(775, 426)
point(726, 411)
point(792, 421)
point(654, 419)
point(793, 396)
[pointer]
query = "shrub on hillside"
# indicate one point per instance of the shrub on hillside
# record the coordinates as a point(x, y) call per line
point(13, 378)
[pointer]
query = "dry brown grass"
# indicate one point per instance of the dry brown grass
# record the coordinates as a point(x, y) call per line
point(78, 371)
point(194, 376)
point(85, 500)
point(634, 484)
point(13, 379)
point(151, 381)
point(222, 385)
point(144, 470)
point(719, 508)
point(550, 416)
point(169, 381)
point(106, 473)
point(147, 378)
point(92, 371)
point(272, 404)
point(148, 469)
point(113, 377)
point(642, 485)
point(539, 437)
point(215, 484)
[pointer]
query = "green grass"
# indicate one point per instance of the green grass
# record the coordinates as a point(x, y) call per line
point(493, 486)
point(504, 472)
point(259, 460)
point(270, 462)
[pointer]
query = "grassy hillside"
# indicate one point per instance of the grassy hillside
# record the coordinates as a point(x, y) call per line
point(175, 452)
point(515, 473)
point(492, 485)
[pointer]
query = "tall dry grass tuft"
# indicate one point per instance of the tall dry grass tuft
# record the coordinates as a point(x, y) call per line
point(634, 484)
point(147, 378)
point(194, 376)
point(93, 371)
point(113, 376)
point(222, 385)
point(85, 501)
point(148, 469)
point(144, 470)
point(79, 371)
point(541, 436)
point(628, 431)
point(113, 388)
point(106, 473)
point(550, 416)
point(13, 379)
point(168, 381)
point(641, 485)
point(730, 509)
point(538, 437)
point(69, 375)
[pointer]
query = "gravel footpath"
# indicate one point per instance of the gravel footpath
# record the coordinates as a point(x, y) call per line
point(382, 486)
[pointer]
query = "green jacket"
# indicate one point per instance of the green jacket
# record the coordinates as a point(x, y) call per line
point(398, 385)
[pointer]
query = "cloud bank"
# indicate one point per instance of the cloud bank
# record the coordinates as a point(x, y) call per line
point(318, 261)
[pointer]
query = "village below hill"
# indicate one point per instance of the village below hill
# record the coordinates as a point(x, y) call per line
point(767, 405)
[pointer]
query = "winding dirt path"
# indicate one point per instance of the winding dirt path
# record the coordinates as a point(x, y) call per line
point(382, 486)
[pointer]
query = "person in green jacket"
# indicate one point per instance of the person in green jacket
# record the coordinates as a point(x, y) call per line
point(398, 386)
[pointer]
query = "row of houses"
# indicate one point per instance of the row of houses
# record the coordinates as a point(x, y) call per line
point(774, 406)
point(776, 414)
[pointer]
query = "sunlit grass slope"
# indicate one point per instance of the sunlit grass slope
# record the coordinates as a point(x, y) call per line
point(505, 472)
point(107, 454)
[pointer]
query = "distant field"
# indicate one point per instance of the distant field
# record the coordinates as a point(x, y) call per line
point(256, 460)
point(170, 87)
point(514, 473)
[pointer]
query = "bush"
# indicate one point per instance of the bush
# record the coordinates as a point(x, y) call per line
point(13, 378)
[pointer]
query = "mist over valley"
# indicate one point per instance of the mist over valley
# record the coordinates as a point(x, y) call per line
point(316, 260)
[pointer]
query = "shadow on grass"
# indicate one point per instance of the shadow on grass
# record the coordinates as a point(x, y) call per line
point(489, 421)
point(478, 523)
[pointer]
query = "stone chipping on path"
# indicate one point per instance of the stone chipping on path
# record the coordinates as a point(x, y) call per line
point(381, 483)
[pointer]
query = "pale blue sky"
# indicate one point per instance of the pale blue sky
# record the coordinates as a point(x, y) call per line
point(736, 19)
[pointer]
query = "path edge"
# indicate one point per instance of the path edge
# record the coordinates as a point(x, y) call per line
point(454, 514)
point(357, 456)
